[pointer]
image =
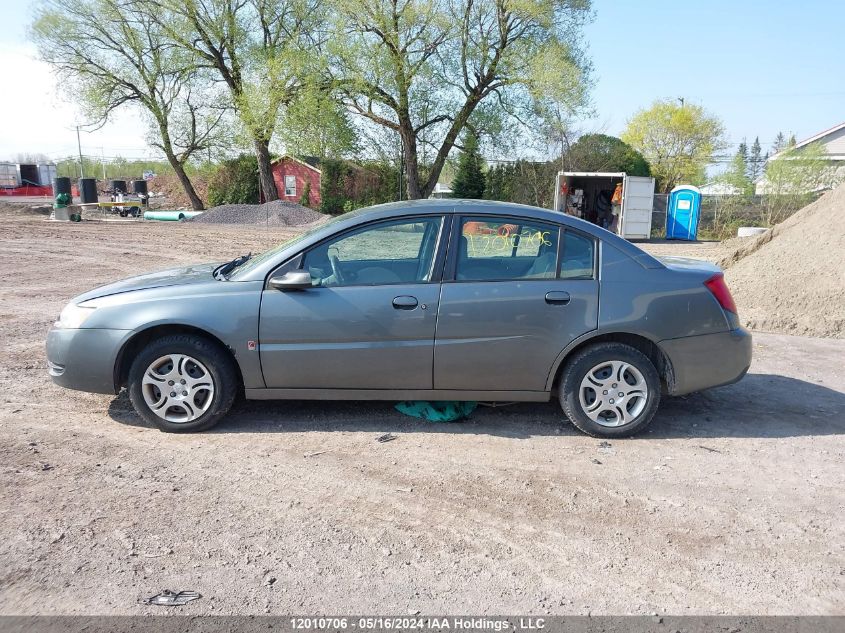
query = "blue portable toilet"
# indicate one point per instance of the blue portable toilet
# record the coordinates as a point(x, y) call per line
point(683, 212)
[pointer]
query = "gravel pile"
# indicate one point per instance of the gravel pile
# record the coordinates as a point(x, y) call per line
point(791, 279)
point(276, 213)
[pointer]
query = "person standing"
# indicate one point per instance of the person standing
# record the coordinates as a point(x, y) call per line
point(616, 204)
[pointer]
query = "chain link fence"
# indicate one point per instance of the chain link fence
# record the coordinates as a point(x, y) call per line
point(721, 216)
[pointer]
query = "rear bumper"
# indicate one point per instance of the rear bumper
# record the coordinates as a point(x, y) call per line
point(84, 359)
point(709, 360)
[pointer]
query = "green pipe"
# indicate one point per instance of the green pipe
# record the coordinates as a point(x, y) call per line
point(170, 216)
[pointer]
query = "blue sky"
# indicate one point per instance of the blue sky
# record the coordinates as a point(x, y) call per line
point(759, 66)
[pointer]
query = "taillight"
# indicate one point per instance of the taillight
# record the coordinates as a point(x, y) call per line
point(716, 285)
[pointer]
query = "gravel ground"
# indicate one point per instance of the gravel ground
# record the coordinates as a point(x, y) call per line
point(278, 212)
point(732, 503)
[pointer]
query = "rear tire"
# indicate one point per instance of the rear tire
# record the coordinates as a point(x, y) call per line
point(610, 390)
point(182, 383)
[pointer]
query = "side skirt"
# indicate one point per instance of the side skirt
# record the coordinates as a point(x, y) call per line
point(396, 394)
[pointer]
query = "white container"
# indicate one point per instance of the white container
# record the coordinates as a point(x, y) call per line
point(637, 197)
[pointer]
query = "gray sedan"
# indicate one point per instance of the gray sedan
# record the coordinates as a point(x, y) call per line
point(427, 300)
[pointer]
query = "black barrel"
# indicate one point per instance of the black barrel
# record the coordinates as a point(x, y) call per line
point(88, 190)
point(61, 185)
point(117, 186)
point(139, 187)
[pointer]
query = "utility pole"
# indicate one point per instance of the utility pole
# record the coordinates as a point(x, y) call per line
point(79, 146)
point(103, 158)
point(681, 99)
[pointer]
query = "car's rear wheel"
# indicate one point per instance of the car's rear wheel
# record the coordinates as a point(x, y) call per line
point(610, 390)
point(182, 383)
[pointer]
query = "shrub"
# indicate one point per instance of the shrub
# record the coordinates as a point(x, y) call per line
point(235, 182)
point(305, 198)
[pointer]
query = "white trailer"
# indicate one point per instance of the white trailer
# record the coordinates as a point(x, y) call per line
point(637, 198)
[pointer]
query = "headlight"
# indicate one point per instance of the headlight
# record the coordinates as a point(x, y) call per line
point(73, 316)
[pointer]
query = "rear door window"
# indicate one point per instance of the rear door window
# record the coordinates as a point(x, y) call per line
point(578, 256)
point(504, 248)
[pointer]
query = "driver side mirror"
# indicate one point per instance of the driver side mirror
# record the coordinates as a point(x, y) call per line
point(291, 280)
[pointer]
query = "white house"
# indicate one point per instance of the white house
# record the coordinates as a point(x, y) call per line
point(832, 141)
point(718, 188)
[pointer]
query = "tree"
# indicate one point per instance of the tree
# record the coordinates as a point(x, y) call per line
point(314, 124)
point(262, 50)
point(779, 144)
point(425, 69)
point(523, 182)
point(737, 173)
point(117, 55)
point(678, 141)
point(599, 152)
point(235, 182)
point(469, 179)
point(756, 161)
point(793, 178)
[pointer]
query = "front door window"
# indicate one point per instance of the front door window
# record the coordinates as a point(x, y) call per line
point(396, 252)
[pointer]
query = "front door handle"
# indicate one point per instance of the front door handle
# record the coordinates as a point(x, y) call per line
point(557, 297)
point(405, 302)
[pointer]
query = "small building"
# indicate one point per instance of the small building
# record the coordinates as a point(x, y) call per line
point(719, 188)
point(293, 173)
point(832, 142)
point(441, 190)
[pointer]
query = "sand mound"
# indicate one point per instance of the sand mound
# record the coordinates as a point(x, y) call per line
point(791, 279)
point(276, 213)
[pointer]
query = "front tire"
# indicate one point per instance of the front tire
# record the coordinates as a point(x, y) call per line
point(182, 383)
point(610, 390)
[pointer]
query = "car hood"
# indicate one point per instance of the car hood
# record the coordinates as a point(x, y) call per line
point(184, 275)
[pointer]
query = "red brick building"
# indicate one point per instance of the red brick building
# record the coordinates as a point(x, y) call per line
point(292, 174)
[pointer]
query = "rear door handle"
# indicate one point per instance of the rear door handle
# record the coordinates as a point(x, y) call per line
point(405, 302)
point(557, 297)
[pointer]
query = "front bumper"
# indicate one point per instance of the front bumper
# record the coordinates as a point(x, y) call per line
point(709, 360)
point(84, 359)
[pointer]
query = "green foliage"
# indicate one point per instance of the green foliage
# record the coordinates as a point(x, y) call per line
point(523, 182)
point(333, 186)
point(736, 175)
point(678, 141)
point(305, 198)
point(120, 168)
point(756, 161)
point(314, 124)
point(116, 55)
point(235, 182)
point(599, 152)
point(794, 178)
point(425, 70)
point(346, 186)
point(469, 179)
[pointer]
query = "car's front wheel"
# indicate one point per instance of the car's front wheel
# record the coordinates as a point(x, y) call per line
point(182, 383)
point(610, 390)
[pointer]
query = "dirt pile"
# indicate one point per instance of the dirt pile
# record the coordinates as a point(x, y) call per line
point(791, 279)
point(276, 213)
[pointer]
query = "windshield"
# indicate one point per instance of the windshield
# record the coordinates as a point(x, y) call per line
point(259, 259)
